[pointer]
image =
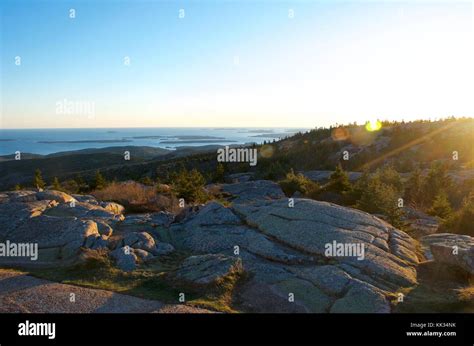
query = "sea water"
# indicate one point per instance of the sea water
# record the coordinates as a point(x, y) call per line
point(47, 141)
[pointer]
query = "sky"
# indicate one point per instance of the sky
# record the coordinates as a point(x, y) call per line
point(233, 63)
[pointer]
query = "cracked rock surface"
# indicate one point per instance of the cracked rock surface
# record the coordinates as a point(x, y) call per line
point(283, 251)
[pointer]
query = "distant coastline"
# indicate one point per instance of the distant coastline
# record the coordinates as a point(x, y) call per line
point(50, 141)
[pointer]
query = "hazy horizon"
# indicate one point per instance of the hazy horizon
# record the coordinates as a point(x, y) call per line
point(229, 127)
point(236, 64)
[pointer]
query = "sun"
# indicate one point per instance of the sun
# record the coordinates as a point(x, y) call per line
point(373, 125)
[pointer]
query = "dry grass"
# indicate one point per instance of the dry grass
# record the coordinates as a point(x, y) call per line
point(136, 197)
point(466, 294)
point(148, 282)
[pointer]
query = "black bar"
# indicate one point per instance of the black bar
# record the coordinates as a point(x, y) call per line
point(209, 329)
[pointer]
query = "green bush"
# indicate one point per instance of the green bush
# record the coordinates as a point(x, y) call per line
point(389, 176)
point(461, 221)
point(339, 181)
point(189, 185)
point(441, 206)
point(298, 182)
point(380, 198)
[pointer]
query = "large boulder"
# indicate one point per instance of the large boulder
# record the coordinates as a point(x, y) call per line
point(21, 196)
point(58, 223)
point(452, 249)
point(144, 241)
point(58, 196)
point(56, 238)
point(125, 258)
point(162, 219)
point(85, 211)
point(12, 214)
point(85, 198)
point(143, 255)
point(52, 231)
point(284, 250)
point(113, 207)
point(419, 223)
point(140, 240)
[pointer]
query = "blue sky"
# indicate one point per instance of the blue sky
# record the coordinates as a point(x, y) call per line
point(234, 63)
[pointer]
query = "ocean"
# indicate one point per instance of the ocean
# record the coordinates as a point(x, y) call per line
point(48, 141)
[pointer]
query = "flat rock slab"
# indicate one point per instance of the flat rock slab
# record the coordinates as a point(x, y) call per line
point(20, 293)
point(253, 191)
point(283, 249)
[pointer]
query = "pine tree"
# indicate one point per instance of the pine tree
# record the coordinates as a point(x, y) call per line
point(389, 176)
point(339, 180)
point(437, 181)
point(99, 182)
point(81, 184)
point(220, 172)
point(189, 185)
point(380, 198)
point(441, 206)
point(56, 184)
point(461, 221)
point(414, 188)
point(38, 181)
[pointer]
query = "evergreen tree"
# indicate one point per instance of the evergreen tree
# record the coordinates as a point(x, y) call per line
point(100, 181)
point(189, 185)
point(361, 185)
point(414, 188)
point(220, 172)
point(436, 182)
point(389, 176)
point(298, 182)
point(38, 181)
point(81, 184)
point(380, 198)
point(462, 220)
point(339, 180)
point(441, 206)
point(56, 184)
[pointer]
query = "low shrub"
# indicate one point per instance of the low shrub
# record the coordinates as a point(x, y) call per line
point(298, 182)
point(136, 197)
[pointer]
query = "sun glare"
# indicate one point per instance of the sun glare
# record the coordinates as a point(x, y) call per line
point(373, 125)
